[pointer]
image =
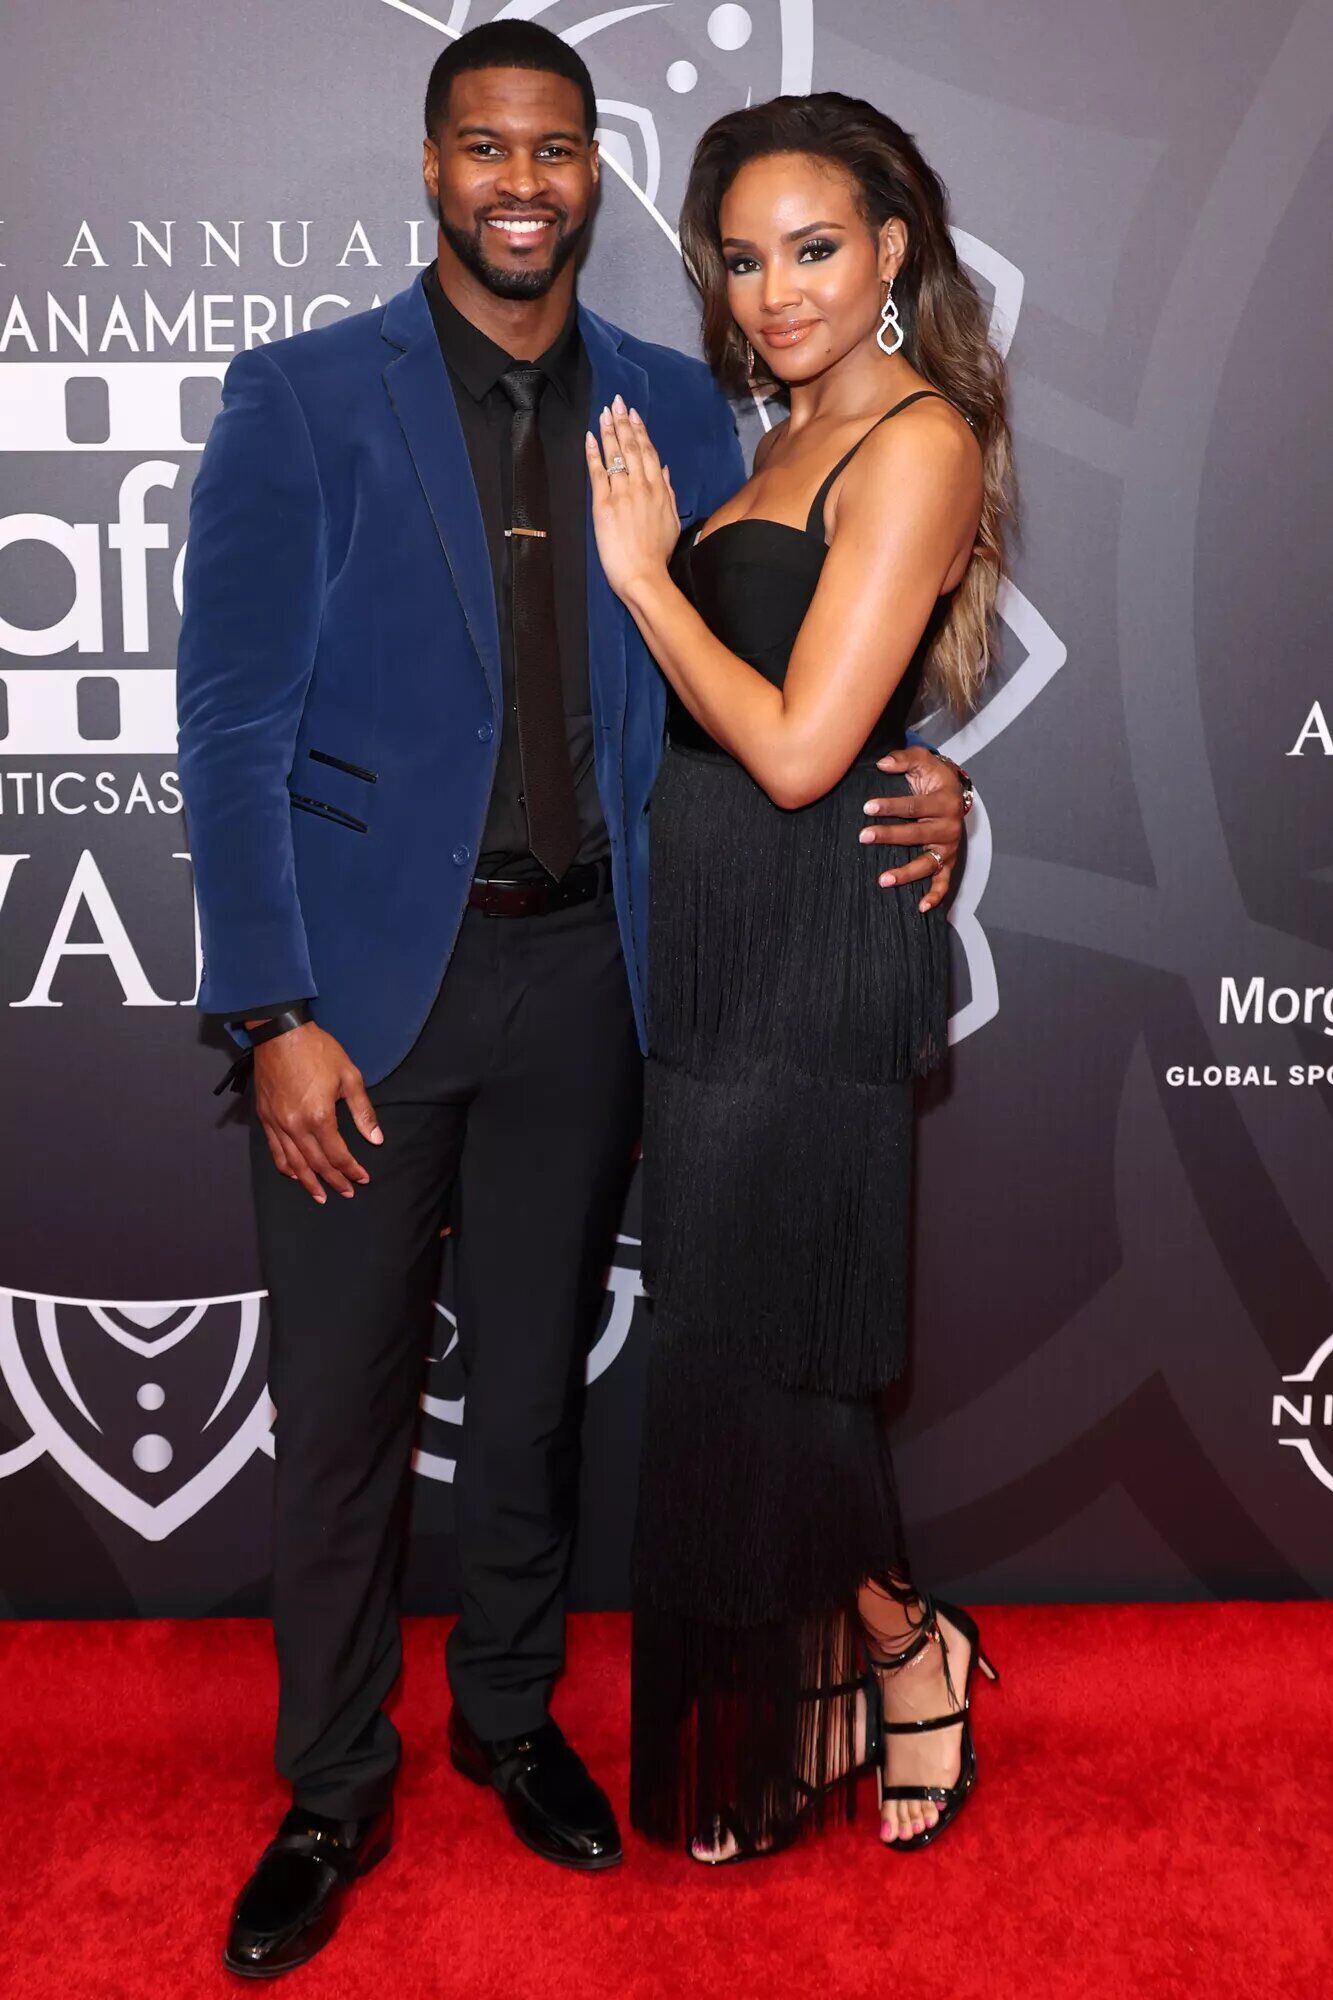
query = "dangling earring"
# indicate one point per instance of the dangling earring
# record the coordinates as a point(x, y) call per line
point(749, 362)
point(890, 323)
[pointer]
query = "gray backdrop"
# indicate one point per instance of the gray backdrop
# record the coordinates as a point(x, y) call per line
point(1123, 1373)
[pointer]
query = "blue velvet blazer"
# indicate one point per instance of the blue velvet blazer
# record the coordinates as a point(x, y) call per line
point(338, 683)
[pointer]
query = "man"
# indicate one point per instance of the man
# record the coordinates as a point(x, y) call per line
point(418, 736)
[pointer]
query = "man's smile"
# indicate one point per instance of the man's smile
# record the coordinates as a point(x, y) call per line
point(521, 229)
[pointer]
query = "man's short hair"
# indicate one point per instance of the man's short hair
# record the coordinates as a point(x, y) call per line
point(507, 45)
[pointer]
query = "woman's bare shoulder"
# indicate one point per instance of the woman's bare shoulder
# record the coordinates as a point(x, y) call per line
point(763, 451)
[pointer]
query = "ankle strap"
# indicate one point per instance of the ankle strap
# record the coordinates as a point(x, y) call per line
point(931, 1722)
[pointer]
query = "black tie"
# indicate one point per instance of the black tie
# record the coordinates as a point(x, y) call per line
point(543, 741)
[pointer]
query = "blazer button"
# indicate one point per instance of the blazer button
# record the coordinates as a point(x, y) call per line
point(485, 731)
point(462, 855)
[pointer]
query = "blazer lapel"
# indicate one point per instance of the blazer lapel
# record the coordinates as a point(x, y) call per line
point(613, 373)
point(422, 397)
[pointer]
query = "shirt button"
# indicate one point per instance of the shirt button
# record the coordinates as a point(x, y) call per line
point(485, 731)
point(462, 855)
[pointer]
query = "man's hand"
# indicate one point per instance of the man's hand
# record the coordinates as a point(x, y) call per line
point(299, 1078)
point(929, 816)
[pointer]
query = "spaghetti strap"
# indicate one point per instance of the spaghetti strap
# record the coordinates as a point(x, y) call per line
point(814, 524)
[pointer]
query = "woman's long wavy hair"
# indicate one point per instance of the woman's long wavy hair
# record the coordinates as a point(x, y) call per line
point(945, 334)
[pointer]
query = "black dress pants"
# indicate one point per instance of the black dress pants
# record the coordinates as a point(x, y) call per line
point(522, 1097)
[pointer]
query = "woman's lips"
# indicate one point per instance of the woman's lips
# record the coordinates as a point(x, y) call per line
point(789, 334)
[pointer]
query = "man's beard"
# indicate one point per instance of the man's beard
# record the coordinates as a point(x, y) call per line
point(467, 246)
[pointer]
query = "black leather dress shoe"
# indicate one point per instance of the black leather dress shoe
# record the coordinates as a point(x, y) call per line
point(289, 1908)
point(553, 1804)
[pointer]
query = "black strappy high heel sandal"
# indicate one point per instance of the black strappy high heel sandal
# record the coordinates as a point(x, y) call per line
point(748, 1848)
point(949, 1799)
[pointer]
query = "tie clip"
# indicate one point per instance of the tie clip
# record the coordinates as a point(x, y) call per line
point(538, 534)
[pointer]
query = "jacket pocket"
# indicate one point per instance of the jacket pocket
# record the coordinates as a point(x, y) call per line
point(341, 764)
point(324, 810)
point(334, 788)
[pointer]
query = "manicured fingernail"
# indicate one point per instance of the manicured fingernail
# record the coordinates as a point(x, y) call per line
point(634, 416)
point(376, 1136)
point(887, 881)
point(872, 805)
point(618, 404)
point(606, 414)
point(866, 835)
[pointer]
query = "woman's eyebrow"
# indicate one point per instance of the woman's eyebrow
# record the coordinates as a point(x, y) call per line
point(792, 235)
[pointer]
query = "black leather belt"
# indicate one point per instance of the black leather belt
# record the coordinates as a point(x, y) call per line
point(496, 896)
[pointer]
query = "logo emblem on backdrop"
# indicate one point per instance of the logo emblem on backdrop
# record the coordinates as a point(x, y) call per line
point(1303, 1416)
point(151, 1409)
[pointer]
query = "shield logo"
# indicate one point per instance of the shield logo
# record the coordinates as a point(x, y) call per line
point(150, 1409)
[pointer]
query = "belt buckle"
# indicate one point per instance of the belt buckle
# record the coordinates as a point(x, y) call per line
point(500, 898)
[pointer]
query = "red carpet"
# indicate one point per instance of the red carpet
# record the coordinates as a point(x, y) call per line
point(1154, 1816)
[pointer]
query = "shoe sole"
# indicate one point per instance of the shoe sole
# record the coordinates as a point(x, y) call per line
point(604, 1861)
point(243, 1969)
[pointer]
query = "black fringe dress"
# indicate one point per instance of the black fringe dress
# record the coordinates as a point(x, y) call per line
point(791, 1002)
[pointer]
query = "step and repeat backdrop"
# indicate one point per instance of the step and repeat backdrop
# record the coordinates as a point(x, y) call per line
point(1122, 1379)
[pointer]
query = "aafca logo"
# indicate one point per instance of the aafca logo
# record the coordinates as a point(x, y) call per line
point(153, 1409)
point(1304, 1416)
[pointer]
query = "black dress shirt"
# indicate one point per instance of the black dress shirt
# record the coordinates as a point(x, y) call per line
point(475, 365)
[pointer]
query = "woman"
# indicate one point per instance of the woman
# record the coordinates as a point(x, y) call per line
point(779, 1643)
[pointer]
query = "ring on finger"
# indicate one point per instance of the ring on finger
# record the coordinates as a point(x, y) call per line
point(618, 465)
point(936, 856)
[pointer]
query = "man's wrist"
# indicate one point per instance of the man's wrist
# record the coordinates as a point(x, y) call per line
point(964, 779)
point(261, 1028)
point(261, 1010)
point(265, 1028)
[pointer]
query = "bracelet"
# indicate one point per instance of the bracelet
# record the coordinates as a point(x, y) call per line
point(280, 1023)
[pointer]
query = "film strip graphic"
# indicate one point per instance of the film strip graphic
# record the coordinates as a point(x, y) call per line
point(144, 409)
